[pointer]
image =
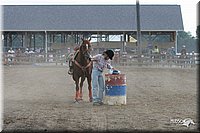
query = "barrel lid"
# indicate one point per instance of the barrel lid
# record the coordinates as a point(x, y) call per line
point(108, 74)
point(116, 72)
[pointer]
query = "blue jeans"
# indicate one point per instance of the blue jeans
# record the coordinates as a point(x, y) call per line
point(98, 86)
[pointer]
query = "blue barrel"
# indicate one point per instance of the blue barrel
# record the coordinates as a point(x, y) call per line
point(115, 93)
point(116, 90)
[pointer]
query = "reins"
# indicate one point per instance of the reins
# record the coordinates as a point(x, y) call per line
point(82, 67)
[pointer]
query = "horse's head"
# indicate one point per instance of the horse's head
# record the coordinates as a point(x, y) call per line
point(85, 48)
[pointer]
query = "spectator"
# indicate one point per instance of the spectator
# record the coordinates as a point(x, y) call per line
point(183, 50)
point(156, 50)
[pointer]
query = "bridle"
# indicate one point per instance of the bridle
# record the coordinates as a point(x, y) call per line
point(83, 68)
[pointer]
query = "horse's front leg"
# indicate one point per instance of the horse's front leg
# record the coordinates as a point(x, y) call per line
point(77, 90)
point(81, 88)
point(89, 79)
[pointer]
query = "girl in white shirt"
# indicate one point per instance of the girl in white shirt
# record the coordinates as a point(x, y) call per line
point(100, 62)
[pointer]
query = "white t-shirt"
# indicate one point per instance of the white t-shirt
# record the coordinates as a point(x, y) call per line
point(100, 63)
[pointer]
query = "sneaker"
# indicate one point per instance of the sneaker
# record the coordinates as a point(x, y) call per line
point(97, 103)
point(101, 103)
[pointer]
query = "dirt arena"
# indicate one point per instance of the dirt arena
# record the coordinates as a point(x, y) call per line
point(40, 97)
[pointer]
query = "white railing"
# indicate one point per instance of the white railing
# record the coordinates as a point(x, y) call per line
point(157, 60)
point(124, 60)
point(18, 59)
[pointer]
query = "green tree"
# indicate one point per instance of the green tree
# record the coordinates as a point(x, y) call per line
point(186, 38)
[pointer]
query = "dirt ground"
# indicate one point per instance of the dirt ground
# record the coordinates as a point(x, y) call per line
point(39, 97)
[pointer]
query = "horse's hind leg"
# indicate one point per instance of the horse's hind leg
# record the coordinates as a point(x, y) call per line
point(89, 88)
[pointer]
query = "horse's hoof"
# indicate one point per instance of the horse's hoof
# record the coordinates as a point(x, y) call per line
point(90, 99)
point(80, 99)
point(76, 101)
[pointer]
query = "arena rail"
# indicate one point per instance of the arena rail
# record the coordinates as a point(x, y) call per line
point(28, 59)
point(123, 60)
point(158, 60)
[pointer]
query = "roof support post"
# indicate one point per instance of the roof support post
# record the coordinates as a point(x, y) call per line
point(10, 40)
point(124, 42)
point(26, 39)
point(121, 40)
point(22, 41)
point(62, 37)
point(76, 38)
point(176, 41)
point(5, 40)
point(107, 38)
point(138, 27)
point(34, 41)
point(30, 40)
point(46, 44)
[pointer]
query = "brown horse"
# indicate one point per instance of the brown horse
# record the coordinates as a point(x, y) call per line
point(82, 68)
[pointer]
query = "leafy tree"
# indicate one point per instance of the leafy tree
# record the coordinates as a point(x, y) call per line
point(185, 38)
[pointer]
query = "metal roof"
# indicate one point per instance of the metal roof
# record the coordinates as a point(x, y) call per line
point(91, 17)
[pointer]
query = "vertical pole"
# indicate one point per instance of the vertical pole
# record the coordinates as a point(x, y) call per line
point(64, 37)
point(61, 37)
point(107, 38)
point(10, 39)
point(30, 44)
point(138, 27)
point(22, 41)
point(53, 37)
point(43, 36)
point(26, 40)
point(121, 40)
point(124, 42)
point(101, 37)
point(34, 41)
point(97, 41)
point(6, 40)
point(176, 42)
point(46, 44)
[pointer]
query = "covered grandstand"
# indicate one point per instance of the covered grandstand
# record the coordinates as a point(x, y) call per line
point(51, 27)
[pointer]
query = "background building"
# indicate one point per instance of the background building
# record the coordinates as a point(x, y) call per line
point(52, 27)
